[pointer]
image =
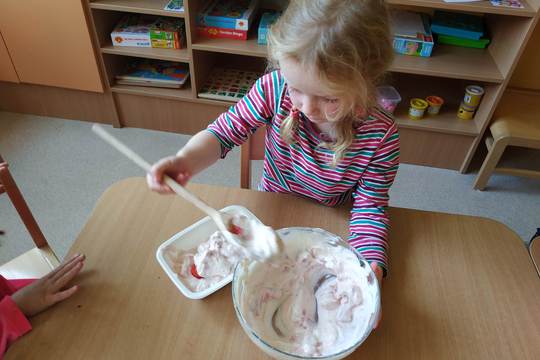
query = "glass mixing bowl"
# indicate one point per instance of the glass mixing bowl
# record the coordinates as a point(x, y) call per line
point(297, 239)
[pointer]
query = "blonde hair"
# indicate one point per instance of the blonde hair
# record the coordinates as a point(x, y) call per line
point(348, 45)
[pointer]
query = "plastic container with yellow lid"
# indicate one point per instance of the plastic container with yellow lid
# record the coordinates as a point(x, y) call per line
point(417, 108)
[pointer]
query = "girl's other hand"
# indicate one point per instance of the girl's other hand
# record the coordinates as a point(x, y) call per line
point(173, 166)
point(50, 289)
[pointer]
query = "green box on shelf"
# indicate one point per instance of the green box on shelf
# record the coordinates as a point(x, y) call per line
point(463, 42)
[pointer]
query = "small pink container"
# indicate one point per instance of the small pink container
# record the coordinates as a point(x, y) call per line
point(388, 98)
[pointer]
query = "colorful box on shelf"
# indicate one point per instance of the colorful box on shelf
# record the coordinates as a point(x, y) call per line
point(412, 35)
point(148, 31)
point(267, 19)
point(458, 24)
point(221, 33)
point(228, 14)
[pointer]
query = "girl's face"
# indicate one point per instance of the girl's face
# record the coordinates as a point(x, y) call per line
point(308, 93)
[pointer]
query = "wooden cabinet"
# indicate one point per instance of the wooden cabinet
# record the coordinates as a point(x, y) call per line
point(7, 71)
point(49, 43)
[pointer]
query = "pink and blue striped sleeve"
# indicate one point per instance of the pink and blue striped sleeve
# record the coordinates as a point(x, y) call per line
point(233, 127)
point(369, 223)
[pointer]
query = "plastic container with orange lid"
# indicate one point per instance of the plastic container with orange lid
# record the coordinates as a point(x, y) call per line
point(435, 103)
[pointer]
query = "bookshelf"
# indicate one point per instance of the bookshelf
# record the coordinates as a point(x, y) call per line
point(445, 73)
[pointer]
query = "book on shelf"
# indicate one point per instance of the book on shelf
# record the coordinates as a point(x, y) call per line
point(228, 84)
point(175, 6)
point(157, 73)
point(228, 14)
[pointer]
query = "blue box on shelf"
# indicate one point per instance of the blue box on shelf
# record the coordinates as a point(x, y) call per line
point(228, 14)
point(457, 24)
point(267, 19)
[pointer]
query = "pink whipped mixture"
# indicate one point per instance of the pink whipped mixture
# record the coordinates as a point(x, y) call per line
point(214, 260)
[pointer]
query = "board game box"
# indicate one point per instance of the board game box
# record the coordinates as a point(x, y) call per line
point(228, 84)
point(228, 14)
point(148, 31)
point(221, 33)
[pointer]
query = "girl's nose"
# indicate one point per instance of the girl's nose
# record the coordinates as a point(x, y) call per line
point(309, 106)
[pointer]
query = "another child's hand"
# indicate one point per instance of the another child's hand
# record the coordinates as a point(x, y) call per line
point(379, 274)
point(175, 167)
point(50, 289)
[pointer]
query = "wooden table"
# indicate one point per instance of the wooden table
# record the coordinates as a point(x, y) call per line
point(460, 287)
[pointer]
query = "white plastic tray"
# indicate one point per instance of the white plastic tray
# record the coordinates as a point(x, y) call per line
point(189, 239)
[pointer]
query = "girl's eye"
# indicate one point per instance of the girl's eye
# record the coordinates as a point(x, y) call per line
point(331, 101)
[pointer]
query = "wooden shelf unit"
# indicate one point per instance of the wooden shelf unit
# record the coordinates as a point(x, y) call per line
point(445, 73)
point(151, 7)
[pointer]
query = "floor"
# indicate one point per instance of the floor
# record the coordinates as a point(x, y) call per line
point(62, 168)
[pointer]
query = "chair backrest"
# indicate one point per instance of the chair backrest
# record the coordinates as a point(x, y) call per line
point(8, 186)
point(38, 261)
point(252, 149)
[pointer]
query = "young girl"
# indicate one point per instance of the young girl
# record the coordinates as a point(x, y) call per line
point(325, 138)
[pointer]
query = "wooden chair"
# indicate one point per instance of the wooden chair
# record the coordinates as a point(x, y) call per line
point(41, 259)
point(516, 123)
point(534, 250)
point(253, 149)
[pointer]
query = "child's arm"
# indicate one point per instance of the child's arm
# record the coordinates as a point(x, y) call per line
point(369, 220)
point(256, 109)
point(232, 128)
point(13, 323)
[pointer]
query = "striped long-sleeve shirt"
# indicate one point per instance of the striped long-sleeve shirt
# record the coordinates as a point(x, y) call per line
point(366, 172)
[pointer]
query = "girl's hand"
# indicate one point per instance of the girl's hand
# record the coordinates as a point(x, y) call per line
point(49, 290)
point(379, 274)
point(174, 166)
